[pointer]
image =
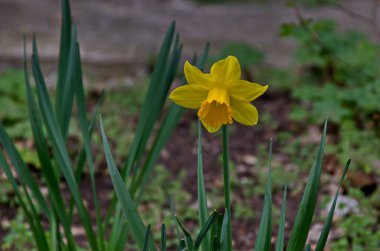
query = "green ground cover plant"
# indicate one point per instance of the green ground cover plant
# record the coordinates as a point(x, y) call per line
point(338, 79)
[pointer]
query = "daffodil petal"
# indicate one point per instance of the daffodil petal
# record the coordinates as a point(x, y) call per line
point(226, 71)
point(195, 77)
point(211, 128)
point(244, 112)
point(189, 96)
point(246, 91)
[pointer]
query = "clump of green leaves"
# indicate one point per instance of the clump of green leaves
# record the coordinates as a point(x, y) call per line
point(14, 115)
point(19, 236)
point(338, 79)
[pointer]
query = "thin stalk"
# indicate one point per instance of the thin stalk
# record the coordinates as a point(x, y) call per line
point(226, 176)
point(202, 199)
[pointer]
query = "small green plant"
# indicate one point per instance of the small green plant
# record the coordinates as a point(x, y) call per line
point(338, 79)
point(12, 93)
point(19, 236)
point(360, 229)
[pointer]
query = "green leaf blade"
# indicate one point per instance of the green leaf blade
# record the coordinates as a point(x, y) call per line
point(301, 227)
point(136, 225)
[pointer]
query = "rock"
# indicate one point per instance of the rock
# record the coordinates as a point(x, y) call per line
point(344, 206)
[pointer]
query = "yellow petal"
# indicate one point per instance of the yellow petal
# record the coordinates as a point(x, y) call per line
point(244, 112)
point(246, 91)
point(195, 77)
point(226, 71)
point(189, 96)
point(211, 128)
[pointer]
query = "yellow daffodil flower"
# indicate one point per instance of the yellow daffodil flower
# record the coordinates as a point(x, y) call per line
point(219, 96)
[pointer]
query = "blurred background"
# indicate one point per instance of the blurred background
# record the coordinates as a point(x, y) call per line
point(319, 57)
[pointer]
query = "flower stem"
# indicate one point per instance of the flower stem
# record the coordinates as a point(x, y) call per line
point(226, 176)
point(202, 199)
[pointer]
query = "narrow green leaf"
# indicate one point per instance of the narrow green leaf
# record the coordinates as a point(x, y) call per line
point(148, 109)
point(163, 238)
point(22, 170)
point(127, 204)
point(188, 239)
point(182, 246)
point(227, 185)
point(146, 240)
point(326, 228)
point(263, 239)
point(64, 51)
point(202, 199)
point(204, 230)
point(281, 225)
point(62, 156)
point(172, 209)
point(160, 96)
point(148, 117)
point(68, 90)
point(305, 212)
point(45, 159)
point(83, 123)
point(53, 233)
point(216, 231)
point(215, 244)
point(166, 129)
point(224, 246)
point(32, 217)
point(81, 159)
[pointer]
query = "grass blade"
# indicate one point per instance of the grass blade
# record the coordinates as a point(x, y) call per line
point(172, 209)
point(83, 123)
point(182, 246)
point(53, 233)
point(188, 239)
point(24, 173)
point(147, 109)
point(128, 206)
point(305, 212)
point(146, 240)
point(166, 129)
point(263, 239)
point(163, 238)
point(202, 199)
point(281, 225)
point(64, 51)
point(33, 219)
point(204, 230)
point(216, 231)
point(326, 228)
point(148, 116)
point(227, 185)
point(65, 114)
point(60, 150)
point(45, 159)
point(224, 246)
point(215, 244)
